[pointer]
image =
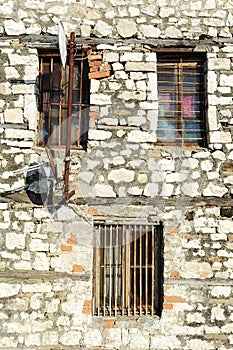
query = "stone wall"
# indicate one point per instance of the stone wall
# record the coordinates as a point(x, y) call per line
point(46, 265)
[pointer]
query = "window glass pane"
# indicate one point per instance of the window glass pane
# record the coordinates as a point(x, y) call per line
point(54, 83)
point(180, 98)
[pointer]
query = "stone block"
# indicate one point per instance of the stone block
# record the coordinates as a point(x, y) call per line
point(71, 338)
point(100, 99)
point(219, 64)
point(194, 269)
point(5, 88)
point(126, 28)
point(140, 66)
point(110, 57)
point(9, 289)
point(131, 56)
point(220, 137)
point(137, 136)
point(103, 29)
point(99, 134)
point(14, 240)
point(102, 190)
point(121, 175)
point(150, 31)
point(14, 28)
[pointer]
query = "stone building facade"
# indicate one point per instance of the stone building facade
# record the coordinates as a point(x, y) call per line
point(123, 177)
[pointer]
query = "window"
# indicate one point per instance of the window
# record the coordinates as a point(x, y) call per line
point(181, 97)
point(128, 270)
point(54, 82)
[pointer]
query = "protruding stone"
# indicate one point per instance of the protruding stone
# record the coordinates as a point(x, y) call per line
point(214, 190)
point(14, 28)
point(138, 136)
point(122, 174)
point(126, 28)
point(102, 190)
point(14, 116)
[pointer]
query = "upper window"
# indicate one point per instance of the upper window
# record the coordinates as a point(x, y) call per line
point(128, 270)
point(181, 98)
point(54, 83)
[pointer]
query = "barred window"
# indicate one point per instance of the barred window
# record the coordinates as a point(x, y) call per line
point(181, 97)
point(128, 270)
point(54, 82)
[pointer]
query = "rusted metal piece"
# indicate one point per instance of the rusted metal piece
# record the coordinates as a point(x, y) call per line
point(51, 161)
point(72, 45)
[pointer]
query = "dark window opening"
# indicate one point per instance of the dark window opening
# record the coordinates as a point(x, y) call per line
point(128, 270)
point(54, 81)
point(181, 98)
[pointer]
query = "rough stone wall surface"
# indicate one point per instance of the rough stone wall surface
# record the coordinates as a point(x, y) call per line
point(46, 264)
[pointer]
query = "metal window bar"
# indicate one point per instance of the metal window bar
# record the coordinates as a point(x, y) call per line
point(181, 92)
point(128, 270)
point(54, 100)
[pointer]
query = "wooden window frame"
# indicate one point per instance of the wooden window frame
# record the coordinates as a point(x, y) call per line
point(184, 124)
point(53, 100)
point(128, 270)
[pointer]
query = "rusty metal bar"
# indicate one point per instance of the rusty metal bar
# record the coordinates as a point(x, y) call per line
point(80, 103)
point(135, 271)
point(123, 269)
point(128, 268)
point(104, 268)
point(98, 272)
point(72, 45)
point(110, 270)
point(146, 272)
point(180, 101)
point(140, 269)
point(116, 267)
point(153, 269)
point(50, 90)
point(51, 161)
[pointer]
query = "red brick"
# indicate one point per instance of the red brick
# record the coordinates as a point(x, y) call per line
point(94, 69)
point(77, 268)
point(174, 274)
point(109, 323)
point(86, 310)
point(94, 57)
point(95, 63)
point(66, 248)
point(72, 240)
point(173, 299)
point(98, 75)
point(94, 114)
point(87, 307)
point(173, 229)
point(87, 303)
point(167, 306)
